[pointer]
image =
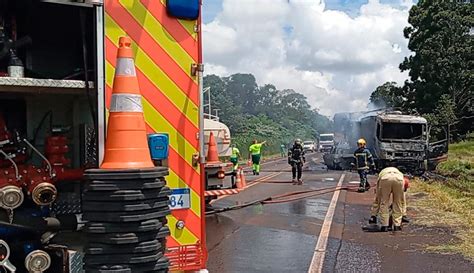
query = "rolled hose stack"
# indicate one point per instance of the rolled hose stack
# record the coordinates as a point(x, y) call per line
point(126, 212)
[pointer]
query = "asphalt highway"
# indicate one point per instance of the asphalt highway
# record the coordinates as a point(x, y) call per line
point(279, 237)
point(323, 232)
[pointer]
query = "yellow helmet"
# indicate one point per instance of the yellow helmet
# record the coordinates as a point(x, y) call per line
point(361, 141)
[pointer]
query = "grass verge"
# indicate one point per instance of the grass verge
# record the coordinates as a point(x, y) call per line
point(449, 203)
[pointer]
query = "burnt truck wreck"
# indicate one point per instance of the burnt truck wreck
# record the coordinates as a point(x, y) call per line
point(392, 137)
point(397, 138)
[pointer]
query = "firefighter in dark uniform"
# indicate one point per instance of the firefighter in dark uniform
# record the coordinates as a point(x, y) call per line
point(296, 159)
point(364, 161)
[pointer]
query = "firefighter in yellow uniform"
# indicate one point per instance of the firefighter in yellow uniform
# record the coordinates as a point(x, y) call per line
point(390, 182)
point(376, 205)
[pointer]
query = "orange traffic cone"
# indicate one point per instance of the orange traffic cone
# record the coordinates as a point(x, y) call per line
point(242, 179)
point(126, 146)
point(238, 179)
point(212, 155)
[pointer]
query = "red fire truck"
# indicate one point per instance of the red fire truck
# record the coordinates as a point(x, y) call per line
point(57, 62)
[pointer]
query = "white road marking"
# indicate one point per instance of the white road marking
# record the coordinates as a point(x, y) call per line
point(320, 249)
point(354, 182)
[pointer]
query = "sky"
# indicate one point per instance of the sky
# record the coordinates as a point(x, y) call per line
point(335, 52)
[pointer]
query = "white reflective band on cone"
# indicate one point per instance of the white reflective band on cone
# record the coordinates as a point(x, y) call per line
point(125, 67)
point(126, 103)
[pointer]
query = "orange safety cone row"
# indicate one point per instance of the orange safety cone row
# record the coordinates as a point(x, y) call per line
point(212, 154)
point(126, 146)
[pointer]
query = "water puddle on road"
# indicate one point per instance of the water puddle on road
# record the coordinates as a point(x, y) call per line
point(315, 208)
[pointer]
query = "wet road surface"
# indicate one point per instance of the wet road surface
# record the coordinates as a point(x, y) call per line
point(272, 237)
point(282, 237)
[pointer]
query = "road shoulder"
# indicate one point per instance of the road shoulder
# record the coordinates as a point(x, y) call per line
point(360, 251)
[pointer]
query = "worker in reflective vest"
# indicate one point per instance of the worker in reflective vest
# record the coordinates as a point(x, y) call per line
point(235, 156)
point(364, 161)
point(255, 154)
point(282, 150)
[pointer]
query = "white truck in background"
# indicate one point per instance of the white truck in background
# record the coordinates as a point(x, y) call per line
point(326, 142)
point(309, 146)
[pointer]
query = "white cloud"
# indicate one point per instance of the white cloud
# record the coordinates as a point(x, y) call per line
point(334, 59)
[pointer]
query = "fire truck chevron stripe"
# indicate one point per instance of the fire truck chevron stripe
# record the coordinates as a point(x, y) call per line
point(184, 236)
point(151, 58)
point(171, 242)
point(153, 25)
point(131, 12)
point(184, 161)
point(187, 25)
point(186, 39)
point(175, 182)
point(165, 49)
point(187, 171)
point(193, 223)
point(162, 103)
point(176, 162)
point(171, 114)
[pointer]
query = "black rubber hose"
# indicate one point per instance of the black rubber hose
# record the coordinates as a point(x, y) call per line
point(40, 125)
point(83, 15)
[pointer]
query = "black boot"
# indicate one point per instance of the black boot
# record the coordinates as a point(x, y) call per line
point(397, 228)
point(373, 220)
point(361, 189)
point(405, 219)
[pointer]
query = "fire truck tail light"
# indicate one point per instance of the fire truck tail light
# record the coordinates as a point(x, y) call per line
point(220, 174)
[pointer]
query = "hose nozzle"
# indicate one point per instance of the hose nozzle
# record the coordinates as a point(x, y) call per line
point(11, 197)
point(44, 194)
point(37, 261)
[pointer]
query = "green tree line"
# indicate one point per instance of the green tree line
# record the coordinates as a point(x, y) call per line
point(263, 112)
point(440, 85)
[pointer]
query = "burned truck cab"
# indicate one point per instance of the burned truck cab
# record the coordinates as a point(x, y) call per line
point(399, 139)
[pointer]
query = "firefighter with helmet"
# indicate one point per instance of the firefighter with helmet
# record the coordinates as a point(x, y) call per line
point(364, 161)
point(296, 159)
